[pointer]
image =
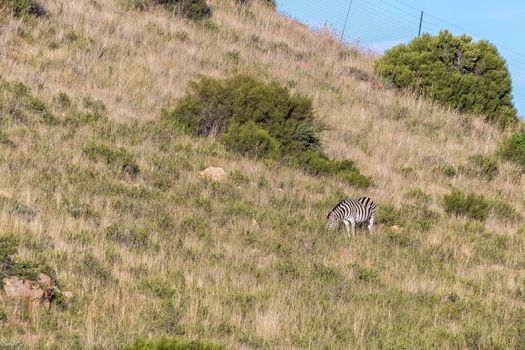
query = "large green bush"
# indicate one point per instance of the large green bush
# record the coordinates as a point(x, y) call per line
point(166, 343)
point(212, 105)
point(513, 149)
point(455, 71)
point(260, 120)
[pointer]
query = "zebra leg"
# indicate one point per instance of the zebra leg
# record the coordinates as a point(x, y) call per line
point(352, 221)
point(347, 227)
point(371, 223)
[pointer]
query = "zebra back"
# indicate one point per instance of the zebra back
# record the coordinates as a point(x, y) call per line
point(360, 209)
point(369, 204)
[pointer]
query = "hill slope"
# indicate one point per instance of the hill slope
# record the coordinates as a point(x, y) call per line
point(99, 187)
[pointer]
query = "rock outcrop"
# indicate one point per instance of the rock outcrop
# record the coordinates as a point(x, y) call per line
point(38, 293)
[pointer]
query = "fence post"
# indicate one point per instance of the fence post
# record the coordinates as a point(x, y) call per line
point(420, 24)
point(346, 21)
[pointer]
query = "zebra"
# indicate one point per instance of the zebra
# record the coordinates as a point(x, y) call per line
point(351, 212)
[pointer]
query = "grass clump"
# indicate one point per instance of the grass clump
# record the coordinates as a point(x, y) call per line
point(414, 212)
point(118, 159)
point(165, 343)
point(389, 215)
point(132, 237)
point(504, 211)
point(10, 267)
point(470, 205)
point(484, 167)
point(261, 120)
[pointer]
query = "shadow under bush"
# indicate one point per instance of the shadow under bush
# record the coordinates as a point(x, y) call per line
point(20, 8)
point(191, 9)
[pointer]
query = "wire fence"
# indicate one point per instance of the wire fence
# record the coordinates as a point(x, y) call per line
point(381, 24)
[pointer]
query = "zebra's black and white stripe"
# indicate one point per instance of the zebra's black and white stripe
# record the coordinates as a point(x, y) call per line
point(352, 212)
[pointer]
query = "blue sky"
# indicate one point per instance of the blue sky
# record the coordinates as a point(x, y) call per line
point(380, 24)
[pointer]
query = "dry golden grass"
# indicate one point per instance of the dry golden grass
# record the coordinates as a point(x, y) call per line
point(245, 263)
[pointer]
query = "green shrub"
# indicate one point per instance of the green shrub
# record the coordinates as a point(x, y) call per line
point(481, 166)
point(389, 215)
point(417, 196)
point(91, 266)
point(251, 140)
point(270, 3)
point(359, 74)
point(418, 217)
point(8, 248)
point(513, 149)
point(316, 163)
point(132, 237)
point(3, 316)
point(413, 213)
point(354, 178)
point(261, 120)
point(210, 26)
point(454, 71)
point(119, 160)
point(5, 140)
point(504, 211)
point(165, 343)
point(470, 205)
point(364, 274)
point(192, 9)
point(157, 287)
point(448, 170)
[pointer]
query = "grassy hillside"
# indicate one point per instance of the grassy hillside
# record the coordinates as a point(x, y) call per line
point(102, 189)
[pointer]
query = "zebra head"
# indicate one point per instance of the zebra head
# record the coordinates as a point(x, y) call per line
point(331, 221)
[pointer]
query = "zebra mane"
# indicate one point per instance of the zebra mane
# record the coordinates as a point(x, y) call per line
point(337, 205)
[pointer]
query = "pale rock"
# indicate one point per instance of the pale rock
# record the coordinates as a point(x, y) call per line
point(213, 174)
point(67, 295)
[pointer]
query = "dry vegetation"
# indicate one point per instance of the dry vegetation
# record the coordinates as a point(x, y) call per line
point(116, 208)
